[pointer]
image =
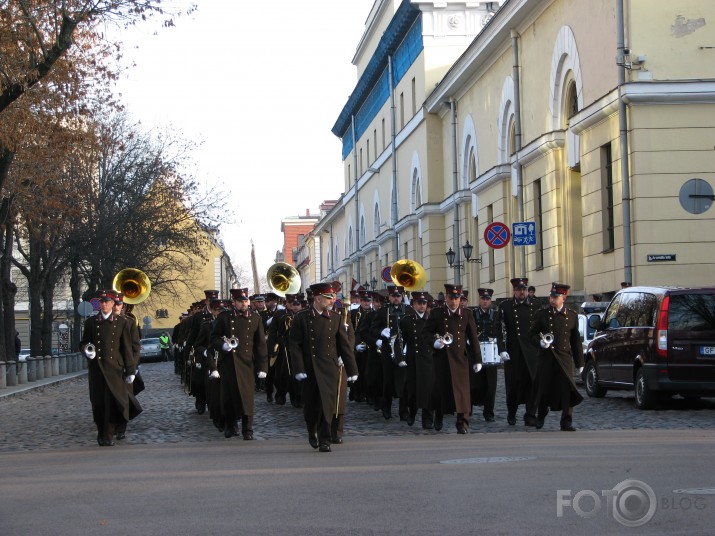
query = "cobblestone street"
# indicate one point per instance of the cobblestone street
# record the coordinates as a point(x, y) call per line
point(59, 416)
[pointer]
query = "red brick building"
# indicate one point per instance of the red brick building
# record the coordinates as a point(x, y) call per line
point(294, 228)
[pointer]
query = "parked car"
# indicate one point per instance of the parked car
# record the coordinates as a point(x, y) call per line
point(24, 354)
point(150, 350)
point(589, 310)
point(658, 341)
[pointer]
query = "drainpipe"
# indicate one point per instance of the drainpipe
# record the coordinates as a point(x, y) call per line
point(623, 139)
point(357, 204)
point(393, 128)
point(455, 189)
point(517, 145)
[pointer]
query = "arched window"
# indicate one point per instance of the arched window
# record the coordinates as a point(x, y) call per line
point(363, 237)
point(376, 221)
point(350, 242)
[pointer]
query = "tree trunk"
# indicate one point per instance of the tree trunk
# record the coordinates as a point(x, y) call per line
point(47, 320)
point(8, 289)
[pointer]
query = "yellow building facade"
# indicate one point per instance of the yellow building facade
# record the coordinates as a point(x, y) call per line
point(464, 117)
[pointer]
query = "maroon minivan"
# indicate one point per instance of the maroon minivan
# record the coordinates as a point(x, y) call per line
point(659, 341)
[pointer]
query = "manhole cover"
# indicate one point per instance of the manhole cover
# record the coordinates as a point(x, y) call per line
point(492, 459)
point(696, 491)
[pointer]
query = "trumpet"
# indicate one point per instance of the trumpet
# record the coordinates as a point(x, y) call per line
point(447, 338)
point(548, 338)
point(232, 342)
point(90, 350)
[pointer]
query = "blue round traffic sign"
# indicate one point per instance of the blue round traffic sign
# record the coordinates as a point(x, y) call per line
point(497, 235)
point(386, 274)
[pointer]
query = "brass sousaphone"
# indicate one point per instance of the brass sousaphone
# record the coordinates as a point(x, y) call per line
point(283, 279)
point(408, 274)
point(134, 284)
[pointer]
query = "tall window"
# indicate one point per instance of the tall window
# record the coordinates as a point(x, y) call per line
point(367, 147)
point(539, 219)
point(402, 110)
point(607, 197)
point(383, 134)
point(362, 230)
point(376, 221)
point(512, 138)
point(374, 141)
point(414, 97)
point(361, 165)
point(350, 241)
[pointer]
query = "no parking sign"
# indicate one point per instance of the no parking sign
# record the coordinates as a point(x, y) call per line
point(497, 235)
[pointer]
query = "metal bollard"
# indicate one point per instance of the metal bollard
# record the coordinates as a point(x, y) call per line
point(31, 369)
point(55, 365)
point(21, 372)
point(3, 378)
point(39, 368)
point(48, 366)
point(11, 373)
point(62, 358)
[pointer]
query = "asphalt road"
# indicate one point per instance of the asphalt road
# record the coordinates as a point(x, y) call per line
point(175, 474)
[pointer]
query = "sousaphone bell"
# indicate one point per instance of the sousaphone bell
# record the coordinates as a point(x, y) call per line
point(283, 279)
point(134, 284)
point(408, 274)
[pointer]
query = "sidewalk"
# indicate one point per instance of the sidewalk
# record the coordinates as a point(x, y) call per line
point(29, 386)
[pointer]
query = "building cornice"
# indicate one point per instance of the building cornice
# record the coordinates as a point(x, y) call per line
point(680, 92)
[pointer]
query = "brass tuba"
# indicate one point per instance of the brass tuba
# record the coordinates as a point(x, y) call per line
point(134, 284)
point(408, 274)
point(283, 279)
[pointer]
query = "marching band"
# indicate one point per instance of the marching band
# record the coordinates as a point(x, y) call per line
point(436, 356)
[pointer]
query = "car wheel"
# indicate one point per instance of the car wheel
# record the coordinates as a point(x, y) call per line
point(645, 397)
point(593, 389)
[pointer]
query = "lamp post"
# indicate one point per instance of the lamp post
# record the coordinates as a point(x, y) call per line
point(374, 283)
point(467, 249)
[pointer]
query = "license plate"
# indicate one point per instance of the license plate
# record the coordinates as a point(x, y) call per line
point(707, 350)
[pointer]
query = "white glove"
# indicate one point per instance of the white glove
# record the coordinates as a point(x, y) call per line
point(301, 376)
point(580, 370)
point(385, 333)
point(352, 378)
point(544, 344)
point(269, 321)
point(226, 347)
point(205, 354)
point(477, 367)
point(129, 379)
point(340, 362)
point(214, 374)
point(402, 364)
point(262, 375)
point(378, 343)
point(361, 347)
point(439, 344)
point(504, 356)
point(198, 366)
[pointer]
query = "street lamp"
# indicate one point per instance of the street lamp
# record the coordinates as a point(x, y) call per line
point(366, 284)
point(374, 283)
point(467, 249)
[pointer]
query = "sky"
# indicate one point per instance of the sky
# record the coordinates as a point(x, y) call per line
point(259, 86)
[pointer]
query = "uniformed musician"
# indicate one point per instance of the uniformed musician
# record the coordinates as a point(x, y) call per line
point(321, 352)
point(235, 367)
point(518, 353)
point(419, 384)
point(555, 333)
point(454, 359)
point(110, 368)
point(490, 331)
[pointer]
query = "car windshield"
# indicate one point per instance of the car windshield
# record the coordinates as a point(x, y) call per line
point(149, 341)
point(692, 312)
